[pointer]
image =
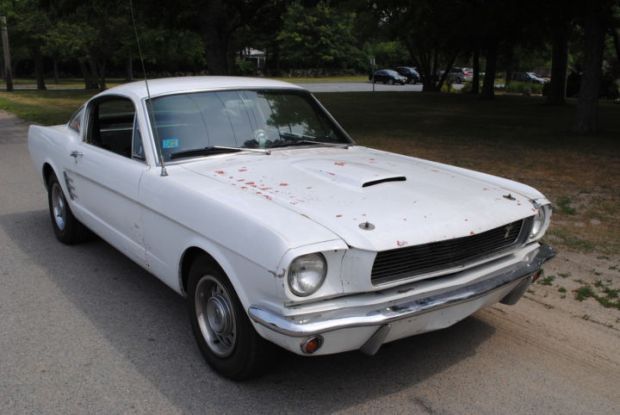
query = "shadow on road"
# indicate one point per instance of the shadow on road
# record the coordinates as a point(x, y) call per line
point(147, 323)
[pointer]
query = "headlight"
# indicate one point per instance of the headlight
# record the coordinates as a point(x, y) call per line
point(541, 221)
point(306, 274)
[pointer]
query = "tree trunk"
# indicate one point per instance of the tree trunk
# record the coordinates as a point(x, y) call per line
point(614, 35)
point(510, 64)
point(422, 62)
point(475, 80)
point(446, 72)
point(55, 69)
point(559, 63)
point(488, 88)
point(217, 27)
point(130, 68)
point(39, 70)
point(101, 71)
point(7, 73)
point(587, 105)
point(89, 79)
point(216, 46)
point(92, 65)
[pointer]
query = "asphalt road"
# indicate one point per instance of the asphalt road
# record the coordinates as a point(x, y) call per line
point(358, 87)
point(84, 330)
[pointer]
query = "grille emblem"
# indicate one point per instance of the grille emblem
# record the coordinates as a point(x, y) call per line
point(508, 228)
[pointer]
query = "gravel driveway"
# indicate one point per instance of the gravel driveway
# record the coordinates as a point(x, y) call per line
point(84, 330)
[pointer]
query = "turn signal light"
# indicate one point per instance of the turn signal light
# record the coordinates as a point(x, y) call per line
point(312, 344)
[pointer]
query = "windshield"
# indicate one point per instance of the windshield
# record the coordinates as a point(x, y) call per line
point(254, 119)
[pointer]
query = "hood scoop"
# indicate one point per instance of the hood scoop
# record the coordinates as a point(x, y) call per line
point(385, 180)
point(354, 174)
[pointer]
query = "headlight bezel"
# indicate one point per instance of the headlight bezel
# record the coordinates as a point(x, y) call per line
point(295, 283)
point(540, 222)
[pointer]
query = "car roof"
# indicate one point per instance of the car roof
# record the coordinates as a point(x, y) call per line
point(167, 86)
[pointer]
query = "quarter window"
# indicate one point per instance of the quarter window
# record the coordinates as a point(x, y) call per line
point(75, 123)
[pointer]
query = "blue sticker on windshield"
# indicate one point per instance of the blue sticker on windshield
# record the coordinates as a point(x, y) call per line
point(170, 143)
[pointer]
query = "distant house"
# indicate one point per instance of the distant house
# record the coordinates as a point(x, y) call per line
point(258, 57)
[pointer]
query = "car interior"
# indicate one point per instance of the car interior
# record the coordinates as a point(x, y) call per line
point(112, 128)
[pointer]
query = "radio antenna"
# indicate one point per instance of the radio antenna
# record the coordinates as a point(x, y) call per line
point(148, 94)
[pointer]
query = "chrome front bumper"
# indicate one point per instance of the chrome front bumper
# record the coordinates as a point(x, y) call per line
point(518, 276)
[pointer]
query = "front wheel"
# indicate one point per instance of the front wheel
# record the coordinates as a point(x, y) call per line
point(222, 329)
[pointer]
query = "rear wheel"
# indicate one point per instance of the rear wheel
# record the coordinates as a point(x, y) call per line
point(222, 329)
point(67, 228)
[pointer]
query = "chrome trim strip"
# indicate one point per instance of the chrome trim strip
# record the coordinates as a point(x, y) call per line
point(317, 323)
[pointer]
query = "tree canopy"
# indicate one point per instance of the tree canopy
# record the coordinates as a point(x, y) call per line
point(574, 42)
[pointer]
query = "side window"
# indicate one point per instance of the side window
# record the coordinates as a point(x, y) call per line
point(111, 127)
point(75, 123)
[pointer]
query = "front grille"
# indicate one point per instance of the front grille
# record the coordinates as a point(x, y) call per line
point(406, 262)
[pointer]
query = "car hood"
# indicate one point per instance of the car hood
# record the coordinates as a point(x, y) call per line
point(372, 199)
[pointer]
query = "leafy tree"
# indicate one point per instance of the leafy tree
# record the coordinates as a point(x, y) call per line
point(218, 22)
point(431, 30)
point(597, 19)
point(318, 37)
point(29, 25)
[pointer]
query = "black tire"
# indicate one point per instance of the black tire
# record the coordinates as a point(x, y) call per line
point(67, 228)
point(237, 353)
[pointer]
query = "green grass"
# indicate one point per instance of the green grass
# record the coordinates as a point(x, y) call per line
point(516, 137)
point(564, 205)
point(43, 107)
point(604, 294)
point(546, 280)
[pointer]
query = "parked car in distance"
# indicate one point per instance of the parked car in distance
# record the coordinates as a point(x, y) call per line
point(412, 75)
point(456, 75)
point(247, 198)
point(528, 77)
point(468, 74)
point(388, 76)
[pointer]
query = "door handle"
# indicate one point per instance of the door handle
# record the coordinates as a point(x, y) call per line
point(76, 154)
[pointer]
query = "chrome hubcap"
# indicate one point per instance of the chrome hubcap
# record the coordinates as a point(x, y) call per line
point(58, 207)
point(215, 315)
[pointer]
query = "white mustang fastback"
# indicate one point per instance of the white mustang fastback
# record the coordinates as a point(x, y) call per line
point(248, 198)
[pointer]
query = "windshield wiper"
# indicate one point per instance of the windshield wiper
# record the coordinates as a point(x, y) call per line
point(289, 139)
point(212, 150)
